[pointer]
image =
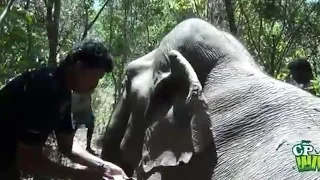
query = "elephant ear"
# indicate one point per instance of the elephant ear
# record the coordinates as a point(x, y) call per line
point(181, 126)
point(160, 98)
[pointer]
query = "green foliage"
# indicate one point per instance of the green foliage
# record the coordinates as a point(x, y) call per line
point(278, 31)
point(275, 32)
point(315, 85)
point(282, 76)
point(17, 50)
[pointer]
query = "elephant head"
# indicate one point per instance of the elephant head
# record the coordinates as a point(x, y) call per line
point(181, 113)
point(162, 119)
point(199, 107)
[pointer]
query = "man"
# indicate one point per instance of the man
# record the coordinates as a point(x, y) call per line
point(300, 74)
point(83, 115)
point(37, 103)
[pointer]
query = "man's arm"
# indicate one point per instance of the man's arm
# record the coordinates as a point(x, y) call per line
point(79, 155)
point(65, 134)
point(76, 153)
point(31, 159)
point(36, 95)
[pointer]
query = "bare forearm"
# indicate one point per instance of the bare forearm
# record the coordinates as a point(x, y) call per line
point(42, 165)
point(83, 157)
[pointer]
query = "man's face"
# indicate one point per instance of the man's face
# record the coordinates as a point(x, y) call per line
point(86, 80)
point(301, 75)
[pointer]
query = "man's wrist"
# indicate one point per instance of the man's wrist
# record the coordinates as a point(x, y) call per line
point(94, 164)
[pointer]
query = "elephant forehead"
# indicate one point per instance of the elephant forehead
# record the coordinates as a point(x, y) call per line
point(141, 84)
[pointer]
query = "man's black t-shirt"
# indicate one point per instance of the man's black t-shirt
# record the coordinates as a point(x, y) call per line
point(32, 106)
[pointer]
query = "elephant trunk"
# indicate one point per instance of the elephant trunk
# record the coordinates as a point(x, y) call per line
point(177, 60)
point(114, 134)
point(181, 67)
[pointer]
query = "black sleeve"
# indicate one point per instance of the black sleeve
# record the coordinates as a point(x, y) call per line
point(36, 109)
point(31, 136)
point(66, 124)
point(33, 113)
point(36, 121)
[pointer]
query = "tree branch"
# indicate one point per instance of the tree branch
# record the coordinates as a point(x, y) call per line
point(6, 10)
point(85, 33)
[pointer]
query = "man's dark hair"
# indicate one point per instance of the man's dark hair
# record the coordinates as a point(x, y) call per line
point(92, 54)
point(301, 70)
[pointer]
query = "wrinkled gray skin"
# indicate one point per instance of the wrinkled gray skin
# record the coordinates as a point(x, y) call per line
point(237, 113)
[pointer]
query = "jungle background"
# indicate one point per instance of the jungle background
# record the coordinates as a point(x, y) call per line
point(36, 33)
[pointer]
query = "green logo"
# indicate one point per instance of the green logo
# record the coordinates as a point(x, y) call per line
point(307, 158)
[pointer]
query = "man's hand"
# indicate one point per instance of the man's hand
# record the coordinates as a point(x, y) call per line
point(78, 155)
point(113, 170)
point(95, 174)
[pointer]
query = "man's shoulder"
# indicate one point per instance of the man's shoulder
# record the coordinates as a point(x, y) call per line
point(42, 76)
point(37, 79)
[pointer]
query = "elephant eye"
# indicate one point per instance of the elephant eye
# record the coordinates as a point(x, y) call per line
point(126, 83)
point(123, 82)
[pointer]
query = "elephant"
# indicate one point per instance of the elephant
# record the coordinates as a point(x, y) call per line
point(199, 107)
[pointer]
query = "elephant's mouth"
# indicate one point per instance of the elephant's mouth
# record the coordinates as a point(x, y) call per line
point(207, 160)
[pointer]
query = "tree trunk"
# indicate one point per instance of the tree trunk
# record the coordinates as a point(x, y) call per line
point(53, 16)
point(230, 14)
point(29, 33)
